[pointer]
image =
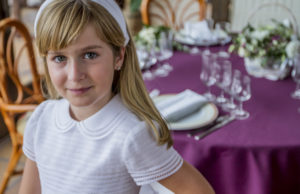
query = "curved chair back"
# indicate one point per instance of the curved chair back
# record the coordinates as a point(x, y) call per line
point(17, 95)
point(172, 13)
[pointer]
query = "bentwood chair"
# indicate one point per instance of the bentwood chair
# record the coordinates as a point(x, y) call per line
point(17, 96)
point(172, 13)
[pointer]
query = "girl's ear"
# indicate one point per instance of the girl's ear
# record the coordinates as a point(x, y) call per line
point(120, 59)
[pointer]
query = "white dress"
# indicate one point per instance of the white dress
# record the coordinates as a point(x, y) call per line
point(110, 152)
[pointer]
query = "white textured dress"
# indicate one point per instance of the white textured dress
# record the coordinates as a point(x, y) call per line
point(110, 152)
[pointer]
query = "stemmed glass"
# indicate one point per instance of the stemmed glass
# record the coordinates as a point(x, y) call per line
point(147, 58)
point(230, 106)
point(241, 90)
point(222, 29)
point(296, 76)
point(164, 52)
point(208, 73)
point(223, 75)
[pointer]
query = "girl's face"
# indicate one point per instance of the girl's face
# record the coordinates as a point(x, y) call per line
point(83, 72)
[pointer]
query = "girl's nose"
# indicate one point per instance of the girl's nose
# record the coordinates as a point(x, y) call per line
point(75, 71)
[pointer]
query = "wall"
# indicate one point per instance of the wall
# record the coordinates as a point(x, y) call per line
point(253, 11)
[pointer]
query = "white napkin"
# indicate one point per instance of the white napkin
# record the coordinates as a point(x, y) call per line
point(180, 105)
point(198, 30)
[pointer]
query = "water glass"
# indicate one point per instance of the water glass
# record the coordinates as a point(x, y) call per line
point(296, 76)
point(222, 30)
point(230, 106)
point(241, 90)
point(208, 73)
point(223, 78)
point(164, 52)
point(147, 58)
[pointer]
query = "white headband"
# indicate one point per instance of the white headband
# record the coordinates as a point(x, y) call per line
point(110, 5)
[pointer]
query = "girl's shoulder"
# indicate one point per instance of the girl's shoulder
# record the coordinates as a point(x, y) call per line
point(46, 107)
point(50, 103)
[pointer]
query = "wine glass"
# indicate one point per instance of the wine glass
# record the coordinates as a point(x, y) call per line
point(222, 30)
point(296, 76)
point(230, 106)
point(241, 90)
point(208, 73)
point(224, 73)
point(147, 58)
point(164, 52)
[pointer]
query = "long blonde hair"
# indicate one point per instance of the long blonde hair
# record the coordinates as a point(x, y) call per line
point(62, 22)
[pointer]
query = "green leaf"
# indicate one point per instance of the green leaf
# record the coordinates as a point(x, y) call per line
point(135, 5)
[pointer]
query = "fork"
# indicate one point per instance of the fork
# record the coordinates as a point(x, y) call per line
point(215, 122)
point(214, 128)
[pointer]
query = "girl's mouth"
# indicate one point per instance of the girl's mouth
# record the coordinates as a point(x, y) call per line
point(79, 91)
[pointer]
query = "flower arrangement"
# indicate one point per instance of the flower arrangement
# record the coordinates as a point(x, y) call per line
point(273, 42)
point(150, 34)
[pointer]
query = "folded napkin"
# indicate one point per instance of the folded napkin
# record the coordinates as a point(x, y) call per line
point(198, 30)
point(180, 105)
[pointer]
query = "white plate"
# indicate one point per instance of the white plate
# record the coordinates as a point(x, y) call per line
point(204, 116)
point(181, 38)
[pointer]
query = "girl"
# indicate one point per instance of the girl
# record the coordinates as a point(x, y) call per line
point(100, 132)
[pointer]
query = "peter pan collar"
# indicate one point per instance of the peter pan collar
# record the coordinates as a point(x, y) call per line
point(96, 126)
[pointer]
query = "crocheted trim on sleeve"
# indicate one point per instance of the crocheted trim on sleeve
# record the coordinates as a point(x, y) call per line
point(168, 168)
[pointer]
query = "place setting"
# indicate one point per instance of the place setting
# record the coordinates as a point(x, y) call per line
point(201, 114)
point(203, 33)
point(190, 112)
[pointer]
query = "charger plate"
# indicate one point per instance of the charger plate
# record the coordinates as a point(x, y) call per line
point(204, 116)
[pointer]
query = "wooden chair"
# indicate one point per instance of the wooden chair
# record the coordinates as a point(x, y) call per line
point(172, 13)
point(16, 97)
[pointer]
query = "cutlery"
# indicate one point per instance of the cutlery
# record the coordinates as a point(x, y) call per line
point(214, 128)
point(215, 122)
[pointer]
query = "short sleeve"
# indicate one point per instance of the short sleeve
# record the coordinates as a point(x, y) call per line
point(30, 132)
point(146, 161)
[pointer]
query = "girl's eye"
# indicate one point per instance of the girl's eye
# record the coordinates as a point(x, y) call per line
point(59, 59)
point(90, 55)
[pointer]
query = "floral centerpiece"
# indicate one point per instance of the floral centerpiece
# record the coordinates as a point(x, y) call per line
point(148, 35)
point(151, 34)
point(268, 49)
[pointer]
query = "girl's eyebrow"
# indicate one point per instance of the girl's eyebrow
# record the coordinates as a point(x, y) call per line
point(83, 49)
point(92, 47)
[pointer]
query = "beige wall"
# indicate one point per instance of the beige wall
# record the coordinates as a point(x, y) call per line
point(260, 11)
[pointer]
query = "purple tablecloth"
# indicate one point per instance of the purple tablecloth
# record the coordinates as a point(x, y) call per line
point(259, 155)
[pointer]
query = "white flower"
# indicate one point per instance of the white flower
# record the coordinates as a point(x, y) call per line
point(146, 36)
point(259, 34)
point(241, 52)
point(250, 47)
point(292, 48)
point(286, 22)
point(254, 42)
point(243, 40)
point(261, 52)
point(275, 42)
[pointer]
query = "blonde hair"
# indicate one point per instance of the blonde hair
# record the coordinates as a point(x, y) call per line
point(62, 22)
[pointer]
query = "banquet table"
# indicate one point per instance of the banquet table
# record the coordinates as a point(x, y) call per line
point(259, 155)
